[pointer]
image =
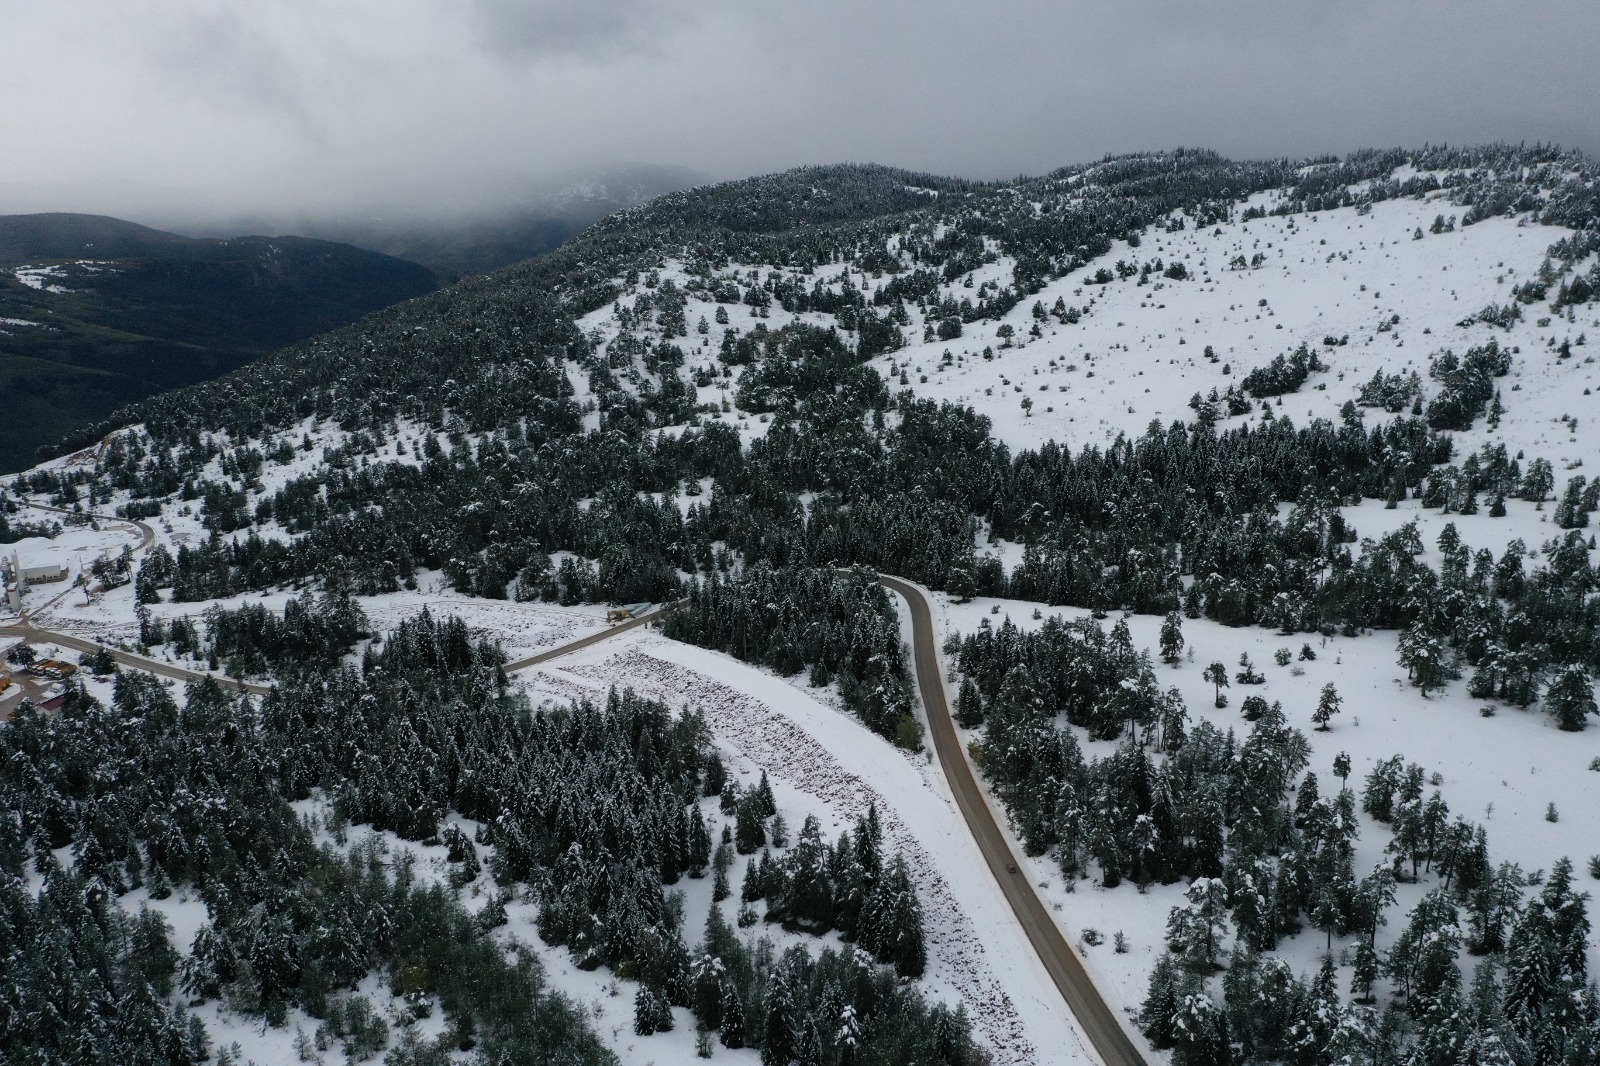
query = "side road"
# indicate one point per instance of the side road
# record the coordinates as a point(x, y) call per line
point(134, 661)
point(129, 659)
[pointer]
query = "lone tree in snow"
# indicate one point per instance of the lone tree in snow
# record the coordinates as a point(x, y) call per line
point(1172, 638)
point(1327, 707)
point(1217, 674)
point(1570, 698)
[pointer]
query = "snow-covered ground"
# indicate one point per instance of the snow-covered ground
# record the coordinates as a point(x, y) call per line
point(1500, 771)
point(1139, 355)
point(1135, 357)
point(822, 761)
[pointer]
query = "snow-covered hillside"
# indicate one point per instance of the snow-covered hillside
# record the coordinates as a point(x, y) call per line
point(1343, 274)
point(1164, 326)
point(1378, 289)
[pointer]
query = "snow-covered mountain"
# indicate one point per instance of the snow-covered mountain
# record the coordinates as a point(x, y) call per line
point(1324, 420)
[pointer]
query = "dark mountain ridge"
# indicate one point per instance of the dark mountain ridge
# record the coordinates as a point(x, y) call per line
point(101, 312)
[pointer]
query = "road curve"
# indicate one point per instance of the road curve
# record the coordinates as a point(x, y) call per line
point(1094, 1016)
point(1097, 1020)
point(147, 535)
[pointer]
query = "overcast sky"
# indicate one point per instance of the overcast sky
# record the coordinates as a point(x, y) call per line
point(210, 106)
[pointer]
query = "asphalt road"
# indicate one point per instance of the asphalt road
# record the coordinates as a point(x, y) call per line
point(147, 536)
point(34, 635)
point(1097, 1020)
point(582, 642)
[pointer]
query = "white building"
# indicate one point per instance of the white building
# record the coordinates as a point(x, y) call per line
point(37, 574)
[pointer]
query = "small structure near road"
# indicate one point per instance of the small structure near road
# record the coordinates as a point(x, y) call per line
point(38, 575)
point(622, 614)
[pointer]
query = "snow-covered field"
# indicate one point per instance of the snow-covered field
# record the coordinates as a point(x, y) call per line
point(1501, 771)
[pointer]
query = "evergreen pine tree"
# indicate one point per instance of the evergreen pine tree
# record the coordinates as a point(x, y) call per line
point(1172, 638)
point(1158, 1014)
point(716, 776)
point(1200, 1032)
point(891, 922)
point(1217, 674)
point(651, 1013)
point(766, 805)
point(1328, 705)
point(750, 834)
point(733, 1024)
point(698, 845)
point(969, 705)
point(778, 1029)
point(1570, 698)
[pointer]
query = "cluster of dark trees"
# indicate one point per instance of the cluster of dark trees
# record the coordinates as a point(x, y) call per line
point(1466, 385)
point(1392, 392)
point(1530, 998)
point(253, 641)
point(817, 887)
point(842, 626)
point(1266, 853)
point(1284, 374)
point(592, 807)
point(832, 1010)
point(194, 798)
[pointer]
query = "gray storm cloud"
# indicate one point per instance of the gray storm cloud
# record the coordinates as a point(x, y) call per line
point(166, 106)
point(520, 30)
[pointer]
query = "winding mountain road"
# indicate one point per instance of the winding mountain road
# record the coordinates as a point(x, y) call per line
point(147, 535)
point(1095, 1017)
